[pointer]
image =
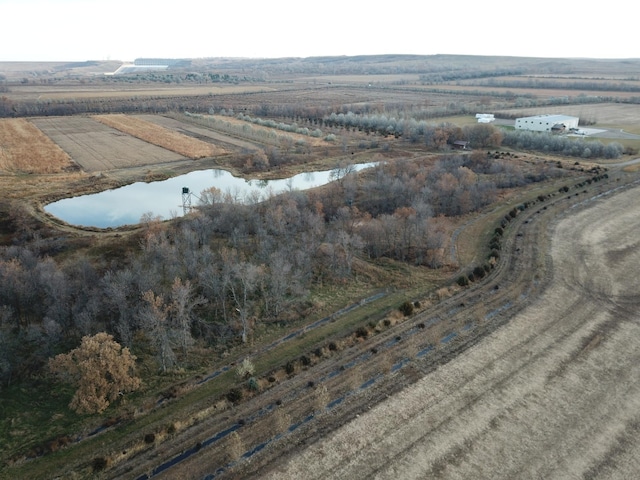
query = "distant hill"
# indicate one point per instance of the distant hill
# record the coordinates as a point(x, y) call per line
point(359, 64)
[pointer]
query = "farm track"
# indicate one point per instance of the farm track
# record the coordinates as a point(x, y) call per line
point(356, 379)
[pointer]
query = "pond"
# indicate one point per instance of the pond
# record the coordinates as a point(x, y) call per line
point(126, 205)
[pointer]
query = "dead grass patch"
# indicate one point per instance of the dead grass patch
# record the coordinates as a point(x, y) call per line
point(25, 149)
point(160, 136)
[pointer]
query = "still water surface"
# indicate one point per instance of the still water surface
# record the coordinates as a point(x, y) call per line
point(126, 205)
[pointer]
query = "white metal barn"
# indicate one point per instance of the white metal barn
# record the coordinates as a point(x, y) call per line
point(547, 123)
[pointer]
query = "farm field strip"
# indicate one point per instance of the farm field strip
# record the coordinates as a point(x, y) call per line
point(97, 147)
point(160, 136)
point(269, 135)
point(24, 148)
point(174, 123)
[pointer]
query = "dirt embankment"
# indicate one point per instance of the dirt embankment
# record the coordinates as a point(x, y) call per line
point(554, 393)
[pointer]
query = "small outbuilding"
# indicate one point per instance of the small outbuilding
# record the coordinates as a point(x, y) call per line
point(485, 117)
point(460, 145)
point(547, 123)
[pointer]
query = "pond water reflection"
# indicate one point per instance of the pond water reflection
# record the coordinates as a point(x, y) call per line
point(126, 205)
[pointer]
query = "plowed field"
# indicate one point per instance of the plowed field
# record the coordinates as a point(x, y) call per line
point(97, 147)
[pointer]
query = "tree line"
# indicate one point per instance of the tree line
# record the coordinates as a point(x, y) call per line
point(561, 145)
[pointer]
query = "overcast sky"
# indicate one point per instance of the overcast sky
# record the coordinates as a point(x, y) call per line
point(78, 30)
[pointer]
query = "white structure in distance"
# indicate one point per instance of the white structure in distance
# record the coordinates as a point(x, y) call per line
point(485, 117)
point(548, 123)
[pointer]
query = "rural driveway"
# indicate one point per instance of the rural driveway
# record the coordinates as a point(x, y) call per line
point(555, 393)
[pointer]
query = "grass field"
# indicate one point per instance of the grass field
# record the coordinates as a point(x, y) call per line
point(25, 149)
point(157, 135)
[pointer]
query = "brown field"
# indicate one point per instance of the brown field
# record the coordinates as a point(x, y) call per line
point(25, 149)
point(97, 147)
point(199, 132)
point(157, 135)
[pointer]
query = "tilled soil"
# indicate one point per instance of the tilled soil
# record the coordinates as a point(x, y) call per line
point(553, 393)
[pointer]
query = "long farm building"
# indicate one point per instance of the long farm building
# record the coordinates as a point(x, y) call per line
point(547, 123)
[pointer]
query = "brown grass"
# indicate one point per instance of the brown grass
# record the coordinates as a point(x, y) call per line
point(25, 149)
point(160, 136)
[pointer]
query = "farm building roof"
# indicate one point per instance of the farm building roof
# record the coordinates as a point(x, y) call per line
point(550, 118)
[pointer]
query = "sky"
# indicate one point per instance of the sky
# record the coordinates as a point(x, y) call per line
point(79, 30)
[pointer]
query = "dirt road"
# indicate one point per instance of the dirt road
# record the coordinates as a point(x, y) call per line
point(554, 393)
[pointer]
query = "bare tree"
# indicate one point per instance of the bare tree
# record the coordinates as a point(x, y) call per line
point(244, 281)
point(182, 305)
point(154, 316)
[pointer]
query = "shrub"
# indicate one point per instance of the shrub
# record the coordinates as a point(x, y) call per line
point(406, 308)
point(234, 395)
point(271, 379)
point(463, 280)
point(478, 272)
point(98, 464)
point(149, 438)
point(246, 369)
point(253, 385)
point(289, 368)
point(333, 346)
point(362, 332)
point(306, 361)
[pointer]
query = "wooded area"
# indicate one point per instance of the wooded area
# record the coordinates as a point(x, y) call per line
point(208, 278)
point(169, 300)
